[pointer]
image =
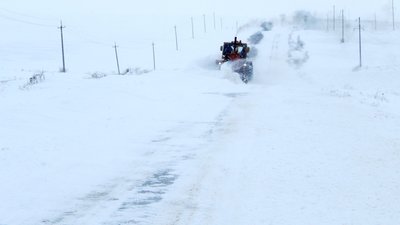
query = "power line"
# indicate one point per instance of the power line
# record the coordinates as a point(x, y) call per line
point(87, 38)
point(25, 21)
point(26, 15)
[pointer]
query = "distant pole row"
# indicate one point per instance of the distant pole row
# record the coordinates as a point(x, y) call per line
point(115, 46)
point(375, 22)
point(359, 27)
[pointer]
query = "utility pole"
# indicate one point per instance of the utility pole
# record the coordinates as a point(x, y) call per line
point(204, 20)
point(359, 39)
point(342, 26)
point(61, 27)
point(154, 57)
point(394, 24)
point(192, 27)
point(334, 18)
point(176, 39)
point(116, 57)
point(215, 26)
point(327, 22)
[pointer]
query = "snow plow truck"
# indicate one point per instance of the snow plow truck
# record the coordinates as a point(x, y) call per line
point(236, 53)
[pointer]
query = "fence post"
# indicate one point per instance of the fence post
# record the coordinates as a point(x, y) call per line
point(61, 27)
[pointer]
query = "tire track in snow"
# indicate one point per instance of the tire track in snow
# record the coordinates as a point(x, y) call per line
point(274, 48)
point(130, 200)
point(188, 207)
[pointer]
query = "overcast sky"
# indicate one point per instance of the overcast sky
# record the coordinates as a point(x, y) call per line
point(223, 7)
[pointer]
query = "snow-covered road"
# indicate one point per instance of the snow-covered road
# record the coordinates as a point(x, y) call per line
point(309, 141)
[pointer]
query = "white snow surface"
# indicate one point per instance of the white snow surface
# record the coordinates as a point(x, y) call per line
point(310, 140)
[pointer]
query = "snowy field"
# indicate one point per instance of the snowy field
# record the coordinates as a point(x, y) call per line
point(313, 139)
